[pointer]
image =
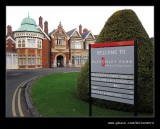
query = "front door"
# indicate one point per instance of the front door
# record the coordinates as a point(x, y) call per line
point(60, 61)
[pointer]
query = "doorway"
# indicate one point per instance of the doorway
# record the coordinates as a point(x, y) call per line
point(60, 61)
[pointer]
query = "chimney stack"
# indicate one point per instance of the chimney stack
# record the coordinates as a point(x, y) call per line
point(9, 30)
point(40, 22)
point(80, 29)
point(46, 27)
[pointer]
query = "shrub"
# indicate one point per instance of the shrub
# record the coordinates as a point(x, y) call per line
point(83, 82)
point(125, 25)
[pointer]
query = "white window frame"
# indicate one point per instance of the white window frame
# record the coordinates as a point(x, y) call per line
point(76, 45)
point(87, 46)
point(31, 59)
point(78, 59)
point(22, 60)
point(39, 44)
point(60, 41)
point(39, 59)
point(31, 43)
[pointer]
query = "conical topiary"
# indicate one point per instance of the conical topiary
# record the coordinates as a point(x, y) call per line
point(121, 26)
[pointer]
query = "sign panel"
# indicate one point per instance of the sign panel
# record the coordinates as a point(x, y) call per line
point(113, 60)
point(112, 75)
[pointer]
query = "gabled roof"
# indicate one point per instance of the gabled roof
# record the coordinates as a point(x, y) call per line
point(38, 27)
point(9, 37)
point(51, 32)
point(55, 31)
point(86, 34)
point(71, 32)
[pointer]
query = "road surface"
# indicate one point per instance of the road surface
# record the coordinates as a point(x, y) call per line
point(15, 100)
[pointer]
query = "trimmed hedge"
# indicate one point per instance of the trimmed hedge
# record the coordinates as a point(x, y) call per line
point(125, 25)
point(83, 82)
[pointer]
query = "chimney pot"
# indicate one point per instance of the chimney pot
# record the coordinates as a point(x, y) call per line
point(46, 27)
point(80, 29)
point(9, 30)
point(40, 22)
point(85, 30)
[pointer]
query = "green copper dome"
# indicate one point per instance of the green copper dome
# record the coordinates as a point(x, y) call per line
point(28, 20)
point(28, 24)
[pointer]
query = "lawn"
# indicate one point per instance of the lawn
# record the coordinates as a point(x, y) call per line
point(55, 96)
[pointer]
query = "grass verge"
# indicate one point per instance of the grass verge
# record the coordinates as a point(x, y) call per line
point(55, 96)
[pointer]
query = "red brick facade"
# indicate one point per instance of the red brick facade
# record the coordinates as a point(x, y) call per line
point(27, 52)
point(47, 50)
point(10, 45)
point(45, 53)
point(60, 48)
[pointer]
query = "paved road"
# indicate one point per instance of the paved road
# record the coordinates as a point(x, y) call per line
point(14, 78)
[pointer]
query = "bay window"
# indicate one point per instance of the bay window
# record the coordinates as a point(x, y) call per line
point(31, 43)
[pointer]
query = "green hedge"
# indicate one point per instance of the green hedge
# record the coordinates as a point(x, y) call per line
point(125, 25)
point(83, 82)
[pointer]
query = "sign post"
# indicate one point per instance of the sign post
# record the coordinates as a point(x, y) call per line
point(113, 72)
point(135, 78)
point(90, 99)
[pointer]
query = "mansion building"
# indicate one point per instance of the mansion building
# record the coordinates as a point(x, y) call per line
point(31, 46)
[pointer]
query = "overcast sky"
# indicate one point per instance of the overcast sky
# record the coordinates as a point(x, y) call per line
point(91, 17)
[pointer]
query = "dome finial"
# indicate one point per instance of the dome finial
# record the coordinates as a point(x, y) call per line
point(60, 25)
point(28, 14)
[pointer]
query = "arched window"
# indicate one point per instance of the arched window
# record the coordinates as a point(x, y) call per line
point(23, 43)
point(19, 43)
